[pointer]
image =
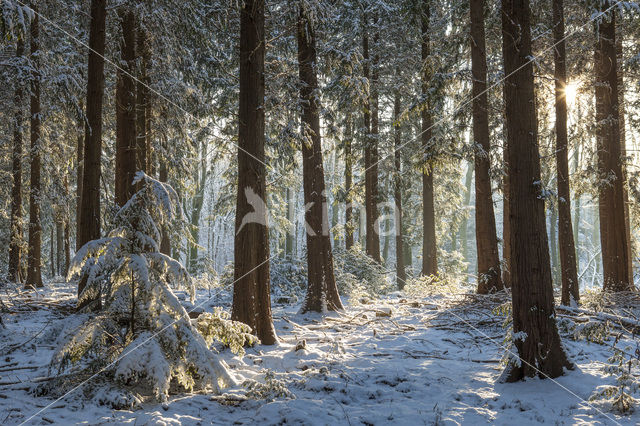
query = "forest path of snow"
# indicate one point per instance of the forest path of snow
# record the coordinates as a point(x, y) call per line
point(430, 362)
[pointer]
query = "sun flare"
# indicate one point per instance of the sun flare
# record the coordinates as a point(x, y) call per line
point(570, 92)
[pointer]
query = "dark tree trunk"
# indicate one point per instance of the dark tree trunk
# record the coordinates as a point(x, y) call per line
point(401, 275)
point(489, 277)
point(90, 200)
point(429, 247)
point(372, 238)
point(142, 102)
point(251, 297)
point(196, 210)
point(568, 265)
point(349, 225)
point(79, 173)
point(540, 349)
point(16, 232)
point(322, 293)
point(165, 242)
point(126, 148)
point(616, 257)
point(34, 255)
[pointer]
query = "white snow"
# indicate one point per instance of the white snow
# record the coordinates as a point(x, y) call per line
point(398, 360)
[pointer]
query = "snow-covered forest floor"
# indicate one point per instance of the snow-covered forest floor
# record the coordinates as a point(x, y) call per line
point(401, 359)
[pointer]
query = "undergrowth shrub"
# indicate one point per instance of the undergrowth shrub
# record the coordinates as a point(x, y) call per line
point(142, 337)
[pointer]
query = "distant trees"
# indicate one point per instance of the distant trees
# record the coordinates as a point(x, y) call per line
point(251, 291)
point(536, 336)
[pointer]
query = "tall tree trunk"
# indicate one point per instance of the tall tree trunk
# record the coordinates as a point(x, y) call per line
point(251, 296)
point(401, 275)
point(616, 257)
point(464, 226)
point(16, 232)
point(349, 225)
point(506, 220)
point(553, 242)
point(372, 237)
point(34, 255)
point(288, 245)
point(429, 247)
point(165, 242)
point(568, 265)
point(576, 208)
point(90, 200)
point(489, 277)
point(322, 293)
point(196, 210)
point(142, 100)
point(59, 245)
point(126, 157)
point(623, 144)
point(79, 174)
point(539, 347)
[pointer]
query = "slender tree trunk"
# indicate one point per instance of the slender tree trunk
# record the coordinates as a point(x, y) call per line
point(553, 242)
point(322, 293)
point(126, 147)
point(401, 275)
point(534, 319)
point(623, 145)
point(251, 295)
point(34, 255)
point(464, 226)
point(90, 200)
point(429, 247)
point(16, 232)
point(372, 238)
point(616, 257)
point(577, 210)
point(288, 246)
point(142, 99)
point(568, 265)
point(506, 221)
point(196, 210)
point(489, 277)
point(59, 245)
point(79, 174)
point(165, 242)
point(349, 226)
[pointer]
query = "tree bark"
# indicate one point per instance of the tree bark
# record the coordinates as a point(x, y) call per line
point(401, 275)
point(288, 245)
point(372, 237)
point(322, 293)
point(349, 225)
point(16, 231)
point(165, 242)
point(126, 158)
point(251, 294)
point(536, 336)
point(568, 265)
point(79, 174)
point(34, 255)
point(429, 247)
point(142, 102)
point(616, 257)
point(489, 276)
point(90, 200)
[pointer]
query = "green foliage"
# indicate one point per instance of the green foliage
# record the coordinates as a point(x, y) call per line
point(358, 275)
point(270, 390)
point(142, 336)
point(624, 367)
point(217, 327)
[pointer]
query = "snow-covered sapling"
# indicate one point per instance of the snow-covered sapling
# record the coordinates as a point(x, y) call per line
point(142, 336)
